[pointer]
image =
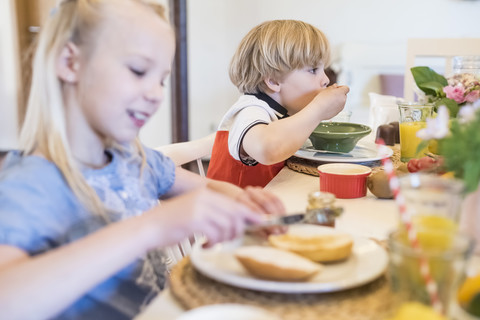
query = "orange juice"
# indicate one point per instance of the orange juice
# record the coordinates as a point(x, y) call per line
point(409, 141)
point(434, 232)
point(415, 310)
point(445, 251)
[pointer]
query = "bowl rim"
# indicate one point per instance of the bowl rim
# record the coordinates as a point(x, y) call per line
point(366, 170)
point(366, 129)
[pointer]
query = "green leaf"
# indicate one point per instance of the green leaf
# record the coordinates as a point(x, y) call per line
point(429, 81)
point(421, 146)
point(451, 104)
point(432, 88)
point(461, 151)
point(471, 175)
point(425, 74)
point(474, 305)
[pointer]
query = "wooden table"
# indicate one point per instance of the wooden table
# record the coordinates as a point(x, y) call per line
point(367, 216)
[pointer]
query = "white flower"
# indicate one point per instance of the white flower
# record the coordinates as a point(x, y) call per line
point(467, 112)
point(476, 104)
point(437, 128)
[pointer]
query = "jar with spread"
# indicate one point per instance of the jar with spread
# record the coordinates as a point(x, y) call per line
point(321, 209)
point(466, 64)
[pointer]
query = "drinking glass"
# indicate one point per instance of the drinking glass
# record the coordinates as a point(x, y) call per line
point(432, 195)
point(447, 266)
point(433, 204)
point(413, 117)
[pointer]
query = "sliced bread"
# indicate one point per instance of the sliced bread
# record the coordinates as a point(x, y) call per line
point(276, 264)
point(316, 247)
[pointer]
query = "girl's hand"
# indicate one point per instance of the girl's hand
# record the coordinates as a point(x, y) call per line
point(263, 202)
point(217, 216)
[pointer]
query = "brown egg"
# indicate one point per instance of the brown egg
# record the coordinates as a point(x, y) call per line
point(378, 183)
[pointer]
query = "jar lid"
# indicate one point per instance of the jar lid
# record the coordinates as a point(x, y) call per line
point(320, 199)
point(466, 64)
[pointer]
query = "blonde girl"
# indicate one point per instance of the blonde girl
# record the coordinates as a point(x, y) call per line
point(80, 223)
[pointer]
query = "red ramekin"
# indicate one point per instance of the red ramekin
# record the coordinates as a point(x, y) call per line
point(344, 180)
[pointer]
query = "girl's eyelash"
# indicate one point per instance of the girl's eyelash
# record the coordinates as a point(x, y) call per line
point(137, 72)
point(313, 70)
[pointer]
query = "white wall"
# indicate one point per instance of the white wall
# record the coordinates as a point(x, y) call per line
point(368, 37)
point(158, 130)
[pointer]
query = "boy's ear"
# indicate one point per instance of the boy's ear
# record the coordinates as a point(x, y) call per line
point(68, 63)
point(272, 84)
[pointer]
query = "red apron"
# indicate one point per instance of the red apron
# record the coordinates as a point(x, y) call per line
point(224, 167)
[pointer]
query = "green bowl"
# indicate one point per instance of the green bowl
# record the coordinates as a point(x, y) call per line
point(338, 136)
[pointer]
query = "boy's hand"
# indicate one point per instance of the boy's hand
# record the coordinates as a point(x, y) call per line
point(332, 99)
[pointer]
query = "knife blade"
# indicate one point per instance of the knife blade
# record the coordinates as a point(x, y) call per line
point(345, 154)
point(278, 221)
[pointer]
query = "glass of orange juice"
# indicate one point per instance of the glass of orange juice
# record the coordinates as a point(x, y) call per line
point(434, 206)
point(432, 195)
point(413, 117)
point(447, 268)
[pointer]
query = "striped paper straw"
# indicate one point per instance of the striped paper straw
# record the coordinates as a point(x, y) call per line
point(430, 284)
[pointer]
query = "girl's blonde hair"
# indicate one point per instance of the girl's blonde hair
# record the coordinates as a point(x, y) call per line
point(44, 129)
point(275, 48)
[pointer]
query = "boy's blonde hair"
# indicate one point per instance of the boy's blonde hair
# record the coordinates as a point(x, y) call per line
point(44, 129)
point(275, 48)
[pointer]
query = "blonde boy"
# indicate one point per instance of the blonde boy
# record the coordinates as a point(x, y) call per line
point(279, 68)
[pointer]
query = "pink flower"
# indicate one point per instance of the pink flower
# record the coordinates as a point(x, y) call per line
point(472, 96)
point(456, 93)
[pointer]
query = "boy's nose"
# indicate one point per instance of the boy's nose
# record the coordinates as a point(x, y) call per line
point(326, 82)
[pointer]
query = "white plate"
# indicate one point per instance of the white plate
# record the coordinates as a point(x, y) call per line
point(364, 151)
point(367, 262)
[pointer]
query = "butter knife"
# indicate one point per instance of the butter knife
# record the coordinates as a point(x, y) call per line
point(345, 154)
point(278, 221)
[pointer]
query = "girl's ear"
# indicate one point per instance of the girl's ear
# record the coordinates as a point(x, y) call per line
point(272, 84)
point(68, 63)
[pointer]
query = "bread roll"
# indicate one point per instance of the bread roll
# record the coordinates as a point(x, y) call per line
point(316, 247)
point(275, 264)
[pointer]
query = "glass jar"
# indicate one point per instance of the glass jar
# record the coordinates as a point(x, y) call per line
point(466, 64)
point(321, 209)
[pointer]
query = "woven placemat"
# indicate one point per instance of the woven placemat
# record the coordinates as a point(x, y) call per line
point(310, 166)
point(369, 302)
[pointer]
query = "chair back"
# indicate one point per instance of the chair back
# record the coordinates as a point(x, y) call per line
point(185, 152)
point(182, 153)
point(436, 48)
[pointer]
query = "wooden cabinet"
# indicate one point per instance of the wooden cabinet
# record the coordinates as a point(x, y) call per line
point(30, 16)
